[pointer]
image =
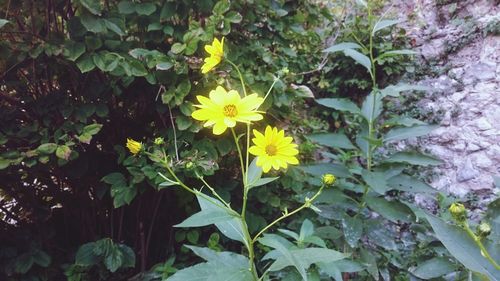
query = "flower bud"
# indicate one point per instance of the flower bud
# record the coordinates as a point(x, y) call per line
point(483, 229)
point(134, 146)
point(458, 212)
point(328, 179)
point(189, 165)
point(159, 141)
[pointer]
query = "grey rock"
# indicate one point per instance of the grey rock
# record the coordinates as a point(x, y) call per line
point(483, 124)
point(466, 171)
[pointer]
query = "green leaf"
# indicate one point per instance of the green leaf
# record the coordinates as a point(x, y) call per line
point(128, 255)
point(221, 7)
point(85, 63)
point(376, 181)
point(206, 217)
point(145, 9)
point(403, 121)
point(93, 6)
point(226, 266)
point(177, 48)
point(307, 229)
point(286, 258)
point(413, 158)
point(73, 50)
point(126, 7)
point(372, 106)
point(63, 152)
point(409, 132)
point(164, 66)
point(263, 181)
point(114, 179)
point(335, 269)
point(233, 17)
point(341, 47)
point(85, 255)
point(114, 259)
point(183, 122)
point(395, 90)
point(254, 173)
point(384, 24)
point(4, 163)
point(167, 11)
point(462, 247)
point(353, 229)
point(370, 261)
point(340, 104)
point(391, 210)
point(434, 268)
point(41, 258)
point(92, 129)
point(409, 184)
point(47, 148)
point(359, 58)
point(332, 140)
point(114, 27)
point(23, 263)
point(92, 23)
point(3, 22)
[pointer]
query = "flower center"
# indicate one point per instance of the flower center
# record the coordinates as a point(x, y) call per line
point(230, 110)
point(271, 150)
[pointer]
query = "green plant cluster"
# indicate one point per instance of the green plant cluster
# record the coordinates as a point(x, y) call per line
point(80, 77)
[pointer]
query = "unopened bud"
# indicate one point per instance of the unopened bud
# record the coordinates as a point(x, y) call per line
point(483, 229)
point(328, 179)
point(159, 141)
point(189, 165)
point(458, 212)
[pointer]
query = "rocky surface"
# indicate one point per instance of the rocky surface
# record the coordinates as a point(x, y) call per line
point(460, 61)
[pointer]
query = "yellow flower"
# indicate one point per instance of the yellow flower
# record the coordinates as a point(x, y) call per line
point(273, 149)
point(216, 51)
point(223, 109)
point(134, 146)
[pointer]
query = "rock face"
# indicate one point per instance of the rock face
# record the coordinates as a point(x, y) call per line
point(453, 36)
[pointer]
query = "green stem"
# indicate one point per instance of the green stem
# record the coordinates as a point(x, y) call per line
point(478, 242)
point(243, 171)
point(306, 204)
point(214, 192)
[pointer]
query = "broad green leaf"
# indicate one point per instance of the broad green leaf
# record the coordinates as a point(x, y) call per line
point(318, 170)
point(254, 173)
point(391, 210)
point(233, 17)
point(221, 7)
point(359, 58)
point(332, 140)
point(340, 104)
point(341, 47)
point(114, 178)
point(42, 258)
point(3, 22)
point(462, 247)
point(286, 258)
point(409, 184)
point(335, 269)
point(85, 255)
point(307, 229)
point(372, 106)
point(23, 263)
point(164, 66)
point(434, 268)
point(395, 53)
point(167, 11)
point(403, 121)
point(47, 148)
point(114, 27)
point(145, 9)
point(409, 132)
point(395, 90)
point(4, 163)
point(370, 262)
point(128, 255)
point(126, 7)
point(384, 24)
point(376, 181)
point(93, 6)
point(92, 23)
point(308, 256)
point(223, 266)
point(73, 50)
point(177, 48)
point(63, 152)
point(353, 229)
point(207, 217)
point(92, 129)
point(85, 63)
point(413, 158)
point(114, 259)
point(263, 181)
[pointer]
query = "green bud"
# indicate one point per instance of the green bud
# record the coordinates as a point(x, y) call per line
point(159, 141)
point(483, 229)
point(458, 212)
point(189, 165)
point(328, 179)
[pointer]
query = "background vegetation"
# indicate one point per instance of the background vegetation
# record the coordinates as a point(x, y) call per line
point(79, 77)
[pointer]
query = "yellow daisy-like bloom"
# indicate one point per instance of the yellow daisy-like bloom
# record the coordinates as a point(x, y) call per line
point(134, 146)
point(216, 51)
point(273, 149)
point(223, 109)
